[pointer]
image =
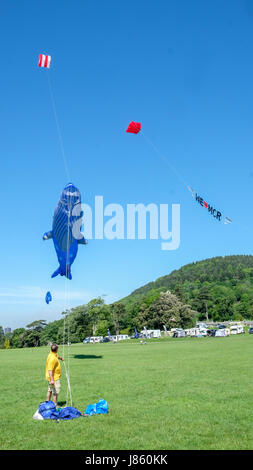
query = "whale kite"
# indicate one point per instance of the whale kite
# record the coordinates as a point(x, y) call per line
point(65, 232)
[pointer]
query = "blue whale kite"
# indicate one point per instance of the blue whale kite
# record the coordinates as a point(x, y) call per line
point(65, 232)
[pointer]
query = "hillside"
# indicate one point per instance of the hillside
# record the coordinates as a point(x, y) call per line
point(219, 288)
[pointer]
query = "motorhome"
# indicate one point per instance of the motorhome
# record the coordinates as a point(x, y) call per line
point(151, 333)
point(95, 339)
point(236, 329)
point(122, 337)
point(240, 329)
point(116, 338)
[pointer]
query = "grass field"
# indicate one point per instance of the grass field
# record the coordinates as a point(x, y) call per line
point(185, 393)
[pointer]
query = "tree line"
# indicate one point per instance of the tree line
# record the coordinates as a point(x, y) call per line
point(98, 319)
point(216, 289)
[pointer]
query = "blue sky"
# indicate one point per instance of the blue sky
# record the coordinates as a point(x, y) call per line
point(185, 71)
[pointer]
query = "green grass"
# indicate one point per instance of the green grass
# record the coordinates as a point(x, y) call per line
point(185, 393)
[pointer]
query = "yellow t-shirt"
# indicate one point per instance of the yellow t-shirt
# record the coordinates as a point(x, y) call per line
point(54, 365)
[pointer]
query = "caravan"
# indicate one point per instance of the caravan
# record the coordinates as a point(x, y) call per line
point(122, 337)
point(95, 339)
point(151, 333)
point(235, 330)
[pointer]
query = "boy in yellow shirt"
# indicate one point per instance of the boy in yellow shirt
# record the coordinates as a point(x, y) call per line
point(53, 373)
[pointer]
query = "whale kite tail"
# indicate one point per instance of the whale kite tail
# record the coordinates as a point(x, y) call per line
point(63, 272)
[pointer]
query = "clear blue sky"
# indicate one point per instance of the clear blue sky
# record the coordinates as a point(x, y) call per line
point(184, 69)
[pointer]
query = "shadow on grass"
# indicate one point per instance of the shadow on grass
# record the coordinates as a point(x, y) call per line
point(61, 403)
point(87, 356)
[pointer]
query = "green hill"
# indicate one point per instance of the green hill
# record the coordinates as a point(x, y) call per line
point(218, 288)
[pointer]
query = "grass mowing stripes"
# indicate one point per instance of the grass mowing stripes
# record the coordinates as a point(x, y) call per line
point(182, 393)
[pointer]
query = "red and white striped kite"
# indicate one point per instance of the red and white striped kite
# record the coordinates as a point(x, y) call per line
point(44, 61)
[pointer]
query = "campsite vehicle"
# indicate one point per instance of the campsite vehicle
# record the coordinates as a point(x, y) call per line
point(221, 326)
point(95, 339)
point(86, 340)
point(188, 332)
point(193, 332)
point(116, 338)
point(220, 332)
point(236, 329)
point(171, 332)
point(106, 339)
point(179, 334)
point(122, 337)
point(251, 330)
point(151, 334)
point(201, 325)
point(233, 330)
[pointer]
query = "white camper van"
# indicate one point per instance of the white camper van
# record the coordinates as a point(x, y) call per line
point(151, 333)
point(240, 329)
point(122, 337)
point(236, 329)
point(95, 339)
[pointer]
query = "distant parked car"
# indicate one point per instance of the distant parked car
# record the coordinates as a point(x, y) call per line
point(221, 326)
point(251, 330)
point(201, 325)
point(86, 340)
point(105, 340)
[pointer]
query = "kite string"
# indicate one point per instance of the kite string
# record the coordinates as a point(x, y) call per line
point(66, 314)
point(179, 176)
point(63, 154)
point(64, 158)
point(67, 369)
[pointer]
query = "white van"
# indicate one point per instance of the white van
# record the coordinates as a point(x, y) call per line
point(193, 332)
point(121, 337)
point(95, 339)
point(234, 330)
point(240, 329)
point(152, 333)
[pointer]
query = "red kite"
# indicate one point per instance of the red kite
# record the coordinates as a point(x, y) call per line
point(134, 127)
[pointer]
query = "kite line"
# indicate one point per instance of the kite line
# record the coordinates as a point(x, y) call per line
point(45, 62)
point(135, 128)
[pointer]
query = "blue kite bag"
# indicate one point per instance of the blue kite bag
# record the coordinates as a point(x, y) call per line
point(48, 410)
point(69, 412)
point(97, 408)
